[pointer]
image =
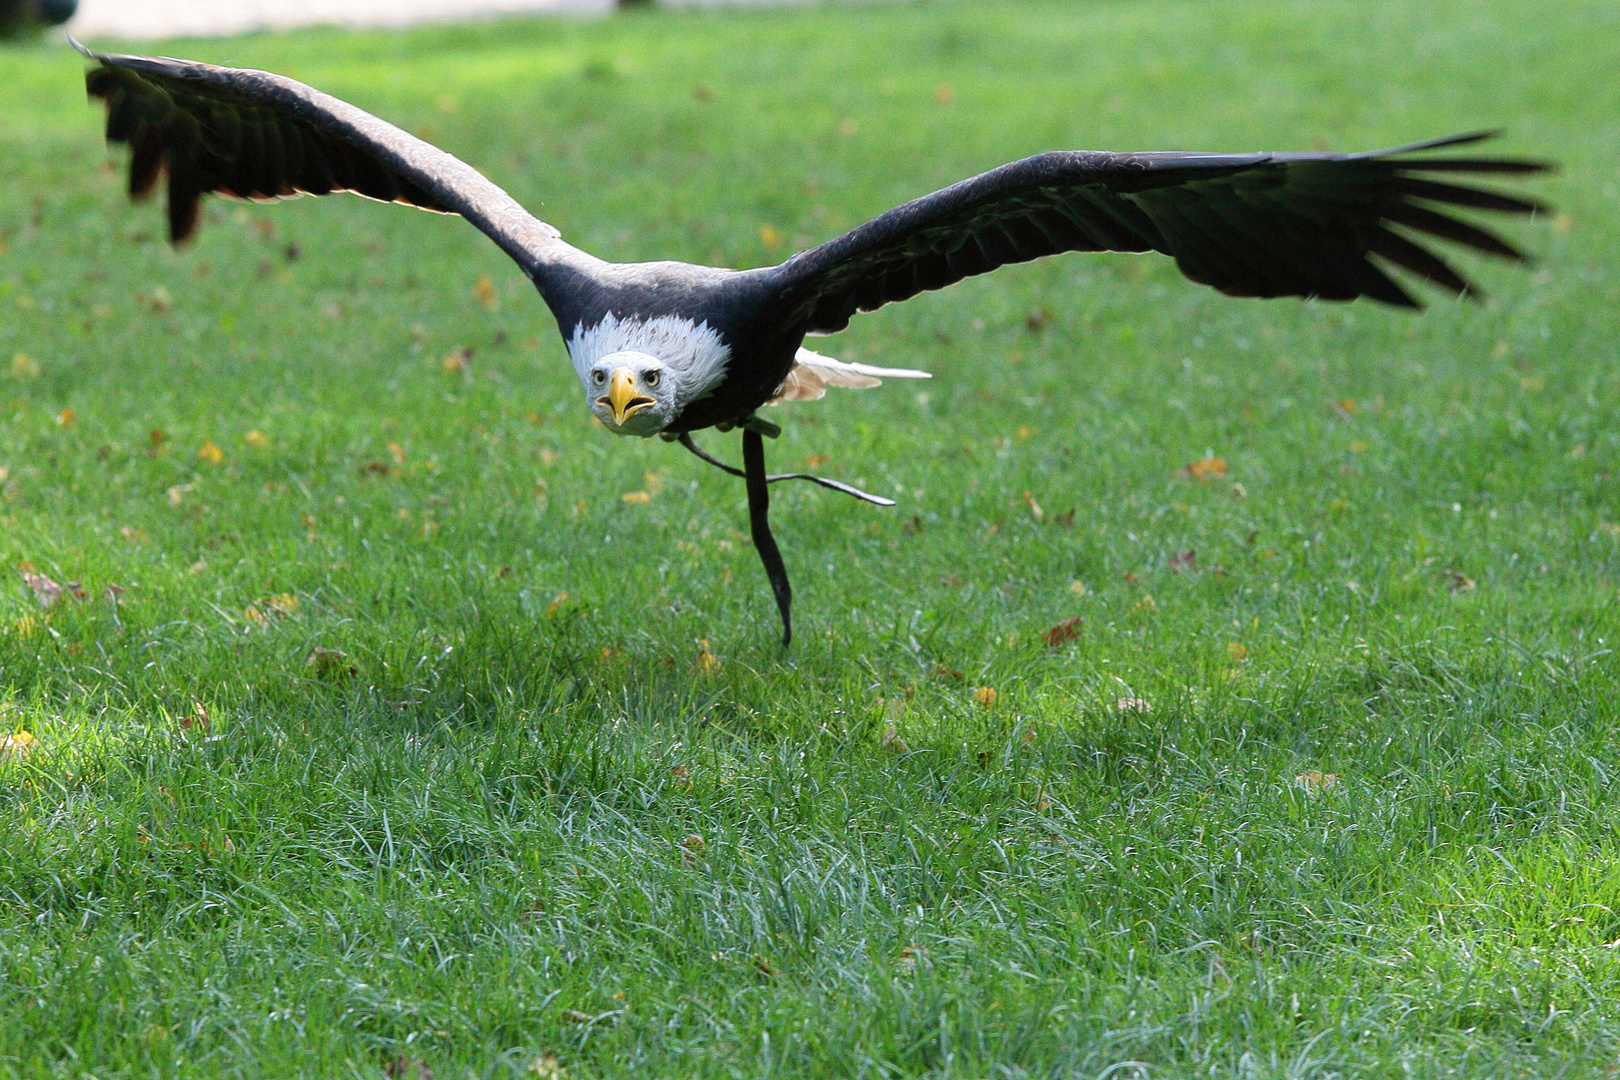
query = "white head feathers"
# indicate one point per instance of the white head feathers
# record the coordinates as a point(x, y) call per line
point(692, 353)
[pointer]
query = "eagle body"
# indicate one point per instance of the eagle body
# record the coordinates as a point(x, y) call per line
point(702, 321)
point(670, 348)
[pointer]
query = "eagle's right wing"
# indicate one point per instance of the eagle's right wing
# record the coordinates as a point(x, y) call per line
point(254, 135)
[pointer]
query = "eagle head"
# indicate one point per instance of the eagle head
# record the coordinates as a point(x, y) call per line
point(632, 393)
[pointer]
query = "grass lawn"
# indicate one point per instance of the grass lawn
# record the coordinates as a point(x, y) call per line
point(389, 736)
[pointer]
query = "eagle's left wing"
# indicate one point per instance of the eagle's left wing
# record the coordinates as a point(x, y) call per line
point(1246, 224)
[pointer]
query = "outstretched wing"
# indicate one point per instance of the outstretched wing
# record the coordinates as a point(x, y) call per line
point(1246, 224)
point(254, 135)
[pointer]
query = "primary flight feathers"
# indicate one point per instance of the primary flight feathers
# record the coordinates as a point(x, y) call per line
point(670, 348)
point(1260, 224)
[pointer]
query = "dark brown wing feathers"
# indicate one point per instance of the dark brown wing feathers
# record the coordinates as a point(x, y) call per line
point(209, 140)
point(254, 135)
point(1249, 225)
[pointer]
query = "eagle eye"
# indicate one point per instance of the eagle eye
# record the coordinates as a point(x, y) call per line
point(598, 376)
point(650, 377)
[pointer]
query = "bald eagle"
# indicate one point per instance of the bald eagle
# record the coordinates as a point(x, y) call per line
point(670, 348)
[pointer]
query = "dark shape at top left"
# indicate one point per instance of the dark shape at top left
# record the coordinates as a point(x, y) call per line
point(21, 17)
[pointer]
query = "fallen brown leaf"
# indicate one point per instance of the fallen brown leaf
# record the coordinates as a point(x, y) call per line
point(1065, 631)
point(1458, 582)
point(1184, 562)
point(485, 292)
point(1209, 468)
point(1035, 510)
point(18, 745)
point(548, 1067)
point(330, 663)
point(46, 591)
point(407, 1068)
point(1316, 781)
point(1133, 704)
point(985, 696)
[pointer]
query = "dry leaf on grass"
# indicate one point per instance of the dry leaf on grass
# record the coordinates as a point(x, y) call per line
point(1133, 704)
point(908, 957)
point(407, 1068)
point(1063, 632)
point(985, 696)
point(331, 663)
point(636, 498)
point(484, 291)
point(46, 591)
point(1237, 651)
point(196, 718)
point(210, 454)
point(65, 418)
point(1184, 562)
point(548, 1067)
point(256, 438)
point(707, 662)
point(1316, 781)
point(1458, 582)
point(892, 741)
point(18, 745)
point(1210, 468)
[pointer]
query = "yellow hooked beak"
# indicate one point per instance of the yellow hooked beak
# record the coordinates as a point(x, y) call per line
point(623, 398)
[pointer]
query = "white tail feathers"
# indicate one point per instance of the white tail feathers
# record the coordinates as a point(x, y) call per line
point(812, 373)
